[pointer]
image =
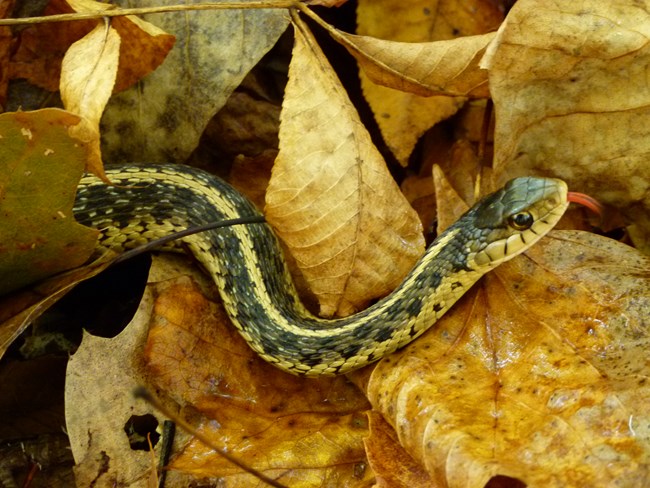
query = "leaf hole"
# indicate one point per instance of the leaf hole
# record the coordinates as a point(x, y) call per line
point(501, 481)
point(138, 427)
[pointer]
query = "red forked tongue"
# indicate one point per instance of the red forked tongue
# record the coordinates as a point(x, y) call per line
point(587, 201)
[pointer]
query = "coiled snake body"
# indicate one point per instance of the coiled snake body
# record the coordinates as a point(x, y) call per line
point(247, 264)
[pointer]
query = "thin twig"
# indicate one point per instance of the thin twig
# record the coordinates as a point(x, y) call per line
point(118, 12)
point(143, 393)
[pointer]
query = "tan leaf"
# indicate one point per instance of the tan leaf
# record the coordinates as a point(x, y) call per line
point(88, 74)
point(331, 197)
point(404, 117)
point(100, 379)
point(449, 68)
point(538, 374)
point(570, 92)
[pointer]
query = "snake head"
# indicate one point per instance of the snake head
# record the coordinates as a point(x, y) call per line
point(512, 219)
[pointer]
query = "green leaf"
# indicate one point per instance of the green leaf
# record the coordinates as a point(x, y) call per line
point(40, 167)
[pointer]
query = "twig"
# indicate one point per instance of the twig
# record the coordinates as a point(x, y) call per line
point(118, 12)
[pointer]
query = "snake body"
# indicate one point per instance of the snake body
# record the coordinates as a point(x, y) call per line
point(247, 264)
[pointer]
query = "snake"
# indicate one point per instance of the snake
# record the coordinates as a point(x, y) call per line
point(247, 264)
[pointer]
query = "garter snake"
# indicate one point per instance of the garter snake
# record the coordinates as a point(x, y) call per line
point(248, 267)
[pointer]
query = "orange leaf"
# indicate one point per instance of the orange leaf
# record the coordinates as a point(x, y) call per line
point(539, 374)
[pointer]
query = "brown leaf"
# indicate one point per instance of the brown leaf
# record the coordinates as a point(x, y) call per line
point(538, 374)
point(570, 94)
point(392, 465)
point(43, 46)
point(42, 166)
point(403, 117)
point(331, 197)
point(5, 51)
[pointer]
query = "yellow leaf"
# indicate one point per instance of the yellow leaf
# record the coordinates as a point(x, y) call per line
point(539, 374)
point(331, 197)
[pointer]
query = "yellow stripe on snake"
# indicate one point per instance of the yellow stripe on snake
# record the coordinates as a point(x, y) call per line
point(247, 264)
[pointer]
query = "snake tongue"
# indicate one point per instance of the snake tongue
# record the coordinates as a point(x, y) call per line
point(585, 200)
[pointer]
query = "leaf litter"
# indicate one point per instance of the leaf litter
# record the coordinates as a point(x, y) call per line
point(537, 389)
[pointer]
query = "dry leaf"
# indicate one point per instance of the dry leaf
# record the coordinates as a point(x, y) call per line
point(449, 68)
point(41, 168)
point(41, 47)
point(403, 117)
point(392, 465)
point(162, 119)
point(88, 74)
point(570, 92)
point(331, 198)
point(100, 379)
point(19, 310)
point(6, 8)
point(538, 374)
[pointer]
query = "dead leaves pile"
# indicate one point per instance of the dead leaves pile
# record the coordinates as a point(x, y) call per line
point(539, 374)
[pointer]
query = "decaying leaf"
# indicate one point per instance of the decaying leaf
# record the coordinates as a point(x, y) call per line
point(5, 51)
point(393, 467)
point(331, 197)
point(404, 117)
point(538, 374)
point(162, 118)
point(570, 94)
point(100, 379)
point(38, 181)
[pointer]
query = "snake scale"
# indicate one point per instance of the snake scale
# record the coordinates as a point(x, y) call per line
point(247, 264)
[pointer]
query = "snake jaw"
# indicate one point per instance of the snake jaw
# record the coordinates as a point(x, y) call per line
point(545, 199)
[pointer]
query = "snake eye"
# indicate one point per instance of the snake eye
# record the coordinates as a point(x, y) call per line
point(521, 220)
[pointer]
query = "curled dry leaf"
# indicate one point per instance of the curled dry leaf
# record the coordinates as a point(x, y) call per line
point(88, 74)
point(569, 83)
point(449, 68)
point(404, 117)
point(392, 465)
point(331, 197)
point(19, 310)
point(300, 431)
point(540, 373)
